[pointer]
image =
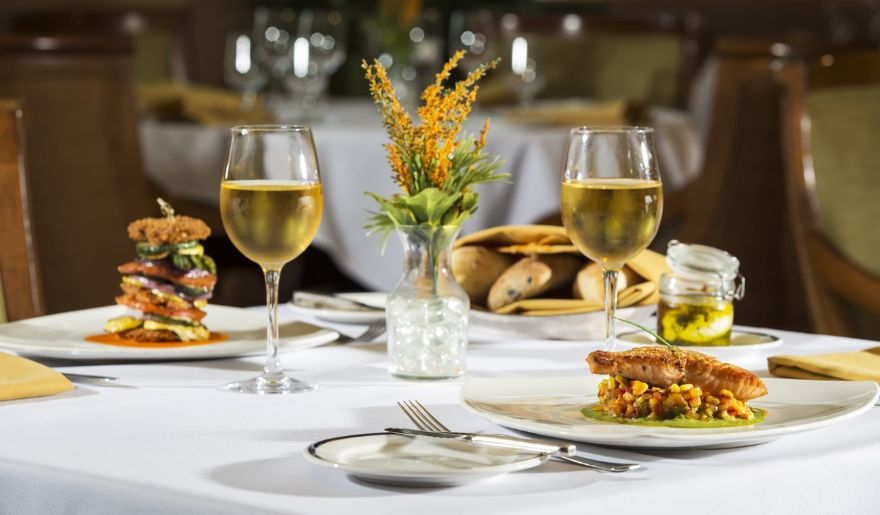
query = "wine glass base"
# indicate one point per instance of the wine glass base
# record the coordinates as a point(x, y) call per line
point(271, 385)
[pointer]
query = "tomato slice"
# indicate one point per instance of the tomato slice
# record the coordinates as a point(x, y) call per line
point(146, 307)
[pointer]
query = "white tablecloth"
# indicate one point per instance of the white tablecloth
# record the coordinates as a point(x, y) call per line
point(187, 160)
point(177, 444)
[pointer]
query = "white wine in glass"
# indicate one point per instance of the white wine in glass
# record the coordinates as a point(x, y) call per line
point(612, 201)
point(271, 204)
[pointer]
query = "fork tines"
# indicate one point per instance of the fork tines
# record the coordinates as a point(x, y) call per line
point(421, 417)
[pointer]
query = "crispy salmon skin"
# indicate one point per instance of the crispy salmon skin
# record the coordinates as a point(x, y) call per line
point(664, 366)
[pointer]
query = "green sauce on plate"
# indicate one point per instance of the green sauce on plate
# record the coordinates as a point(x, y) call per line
point(759, 417)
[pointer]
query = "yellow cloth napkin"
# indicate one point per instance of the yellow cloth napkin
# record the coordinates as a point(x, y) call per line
point(576, 113)
point(22, 378)
point(863, 365)
point(200, 104)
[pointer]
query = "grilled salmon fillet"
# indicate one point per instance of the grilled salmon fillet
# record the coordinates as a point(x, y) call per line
point(664, 366)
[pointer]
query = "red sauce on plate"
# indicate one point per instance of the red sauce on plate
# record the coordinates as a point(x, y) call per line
point(115, 339)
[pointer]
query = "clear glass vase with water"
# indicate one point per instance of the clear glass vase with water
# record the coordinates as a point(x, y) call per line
point(427, 312)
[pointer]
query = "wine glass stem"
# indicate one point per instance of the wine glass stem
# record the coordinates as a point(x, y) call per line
point(248, 98)
point(610, 307)
point(273, 364)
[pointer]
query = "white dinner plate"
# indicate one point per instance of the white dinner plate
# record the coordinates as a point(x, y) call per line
point(406, 461)
point(550, 406)
point(62, 336)
point(740, 341)
point(343, 316)
point(580, 327)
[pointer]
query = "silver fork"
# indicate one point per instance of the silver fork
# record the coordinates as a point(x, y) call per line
point(374, 330)
point(424, 420)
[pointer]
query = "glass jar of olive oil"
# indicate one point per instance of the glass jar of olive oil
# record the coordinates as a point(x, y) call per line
point(696, 297)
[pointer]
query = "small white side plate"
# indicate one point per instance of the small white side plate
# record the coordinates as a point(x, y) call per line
point(405, 461)
point(551, 406)
point(63, 336)
point(740, 341)
point(376, 299)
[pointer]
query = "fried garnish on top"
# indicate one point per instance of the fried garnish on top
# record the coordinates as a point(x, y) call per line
point(169, 229)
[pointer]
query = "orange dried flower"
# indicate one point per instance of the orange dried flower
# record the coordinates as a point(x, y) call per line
point(482, 141)
point(420, 155)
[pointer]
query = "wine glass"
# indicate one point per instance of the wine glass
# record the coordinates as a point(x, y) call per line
point(472, 31)
point(317, 52)
point(271, 203)
point(523, 77)
point(241, 69)
point(612, 200)
point(274, 32)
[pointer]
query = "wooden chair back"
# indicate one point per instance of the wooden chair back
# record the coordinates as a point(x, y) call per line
point(83, 158)
point(20, 291)
point(163, 45)
point(738, 201)
point(834, 282)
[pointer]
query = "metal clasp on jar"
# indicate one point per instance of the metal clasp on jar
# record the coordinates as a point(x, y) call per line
point(739, 287)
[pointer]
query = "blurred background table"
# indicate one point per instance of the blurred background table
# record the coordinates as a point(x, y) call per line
point(187, 161)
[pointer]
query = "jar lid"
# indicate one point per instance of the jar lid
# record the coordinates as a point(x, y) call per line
point(701, 259)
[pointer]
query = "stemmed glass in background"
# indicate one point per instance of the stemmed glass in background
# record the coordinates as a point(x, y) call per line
point(612, 200)
point(522, 75)
point(473, 31)
point(241, 67)
point(316, 52)
point(271, 203)
point(274, 32)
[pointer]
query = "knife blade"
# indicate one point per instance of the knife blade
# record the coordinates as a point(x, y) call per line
point(314, 300)
point(90, 379)
point(493, 440)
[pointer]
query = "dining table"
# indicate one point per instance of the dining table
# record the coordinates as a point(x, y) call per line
point(167, 439)
point(187, 159)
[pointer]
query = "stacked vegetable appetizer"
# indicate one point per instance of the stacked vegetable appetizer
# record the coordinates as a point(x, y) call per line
point(168, 284)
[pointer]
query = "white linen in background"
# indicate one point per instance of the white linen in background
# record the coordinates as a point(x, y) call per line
point(177, 444)
point(187, 160)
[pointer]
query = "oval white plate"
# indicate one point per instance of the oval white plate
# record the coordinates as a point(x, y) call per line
point(580, 327)
point(405, 461)
point(62, 336)
point(740, 341)
point(550, 406)
point(376, 299)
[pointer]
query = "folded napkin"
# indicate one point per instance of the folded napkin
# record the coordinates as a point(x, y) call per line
point(863, 365)
point(208, 106)
point(22, 378)
point(575, 113)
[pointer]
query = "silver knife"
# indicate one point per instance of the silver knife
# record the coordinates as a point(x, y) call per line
point(90, 379)
point(504, 441)
point(313, 300)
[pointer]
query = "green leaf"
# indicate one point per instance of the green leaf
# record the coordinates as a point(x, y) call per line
point(426, 204)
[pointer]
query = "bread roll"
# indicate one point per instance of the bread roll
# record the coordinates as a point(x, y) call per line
point(532, 276)
point(590, 283)
point(476, 269)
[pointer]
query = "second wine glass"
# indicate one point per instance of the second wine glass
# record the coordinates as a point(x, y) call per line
point(612, 201)
point(271, 203)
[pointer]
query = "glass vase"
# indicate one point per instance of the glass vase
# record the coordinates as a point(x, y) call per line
point(427, 312)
